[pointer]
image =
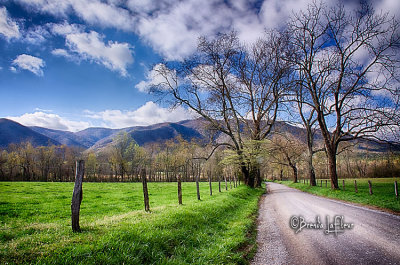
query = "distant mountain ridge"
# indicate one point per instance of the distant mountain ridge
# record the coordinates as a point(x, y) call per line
point(13, 132)
point(96, 139)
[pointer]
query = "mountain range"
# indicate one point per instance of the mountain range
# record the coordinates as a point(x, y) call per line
point(98, 138)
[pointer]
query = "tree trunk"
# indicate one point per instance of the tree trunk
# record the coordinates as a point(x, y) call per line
point(295, 176)
point(332, 168)
point(310, 167)
point(246, 175)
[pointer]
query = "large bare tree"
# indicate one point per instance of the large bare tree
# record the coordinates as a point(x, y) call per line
point(348, 64)
point(235, 89)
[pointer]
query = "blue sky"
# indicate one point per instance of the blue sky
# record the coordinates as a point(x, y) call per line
point(73, 64)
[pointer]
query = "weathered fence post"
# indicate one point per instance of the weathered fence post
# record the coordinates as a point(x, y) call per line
point(179, 189)
point(219, 183)
point(77, 195)
point(344, 188)
point(370, 187)
point(396, 191)
point(210, 183)
point(197, 187)
point(145, 191)
point(355, 186)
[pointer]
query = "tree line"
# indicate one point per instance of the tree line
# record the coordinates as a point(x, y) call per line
point(283, 156)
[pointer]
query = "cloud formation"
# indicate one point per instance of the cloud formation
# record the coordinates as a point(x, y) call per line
point(153, 78)
point(172, 27)
point(50, 121)
point(149, 113)
point(91, 46)
point(30, 63)
point(8, 27)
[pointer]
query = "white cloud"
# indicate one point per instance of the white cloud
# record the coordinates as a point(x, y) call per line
point(30, 63)
point(90, 46)
point(100, 13)
point(8, 27)
point(51, 121)
point(172, 27)
point(95, 12)
point(153, 78)
point(60, 52)
point(36, 35)
point(149, 113)
point(65, 28)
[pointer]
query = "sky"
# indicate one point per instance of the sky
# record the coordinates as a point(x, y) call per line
point(74, 64)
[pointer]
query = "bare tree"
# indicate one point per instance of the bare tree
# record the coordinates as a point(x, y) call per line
point(348, 64)
point(235, 89)
point(286, 150)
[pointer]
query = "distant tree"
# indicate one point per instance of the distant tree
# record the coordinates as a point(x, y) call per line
point(284, 149)
point(91, 166)
point(122, 152)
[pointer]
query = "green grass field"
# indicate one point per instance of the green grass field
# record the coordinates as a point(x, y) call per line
point(35, 224)
point(383, 192)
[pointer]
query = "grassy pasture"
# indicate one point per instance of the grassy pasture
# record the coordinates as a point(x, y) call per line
point(383, 191)
point(35, 224)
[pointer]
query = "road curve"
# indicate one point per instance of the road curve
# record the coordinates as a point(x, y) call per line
point(373, 239)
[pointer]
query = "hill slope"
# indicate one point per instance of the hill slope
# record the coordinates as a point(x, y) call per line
point(13, 132)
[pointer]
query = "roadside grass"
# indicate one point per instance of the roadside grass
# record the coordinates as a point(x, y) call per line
point(383, 191)
point(35, 224)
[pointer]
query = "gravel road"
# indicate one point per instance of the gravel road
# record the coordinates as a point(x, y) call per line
point(363, 236)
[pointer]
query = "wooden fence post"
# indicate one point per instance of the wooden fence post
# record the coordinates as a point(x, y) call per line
point(77, 195)
point(197, 187)
point(179, 189)
point(145, 191)
point(210, 183)
point(355, 186)
point(370, 187)
point(344, 188)
point(219, 183)
point(396, 191)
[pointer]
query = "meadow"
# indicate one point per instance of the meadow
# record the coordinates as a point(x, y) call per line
point(35, 225)
point(383, 191)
